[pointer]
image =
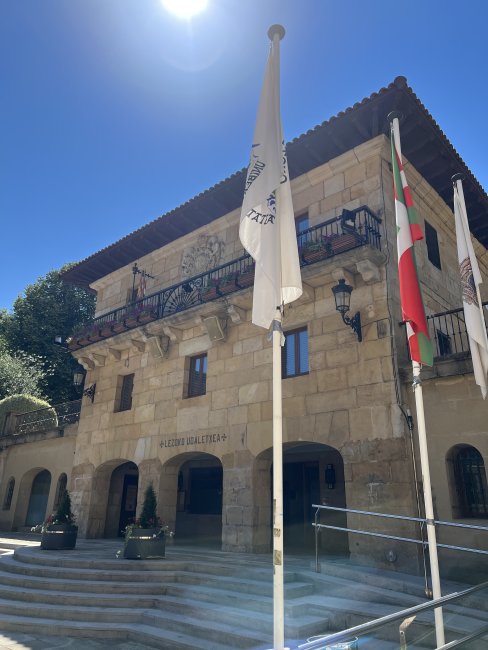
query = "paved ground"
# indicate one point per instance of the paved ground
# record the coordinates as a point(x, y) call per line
point(16, 641)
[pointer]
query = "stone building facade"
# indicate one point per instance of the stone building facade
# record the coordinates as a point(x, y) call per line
point(183, 397)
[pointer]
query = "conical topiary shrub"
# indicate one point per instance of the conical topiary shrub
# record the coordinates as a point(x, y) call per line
point(60, 531)
point(63, 514)
point(145, 538)
point(149, 518)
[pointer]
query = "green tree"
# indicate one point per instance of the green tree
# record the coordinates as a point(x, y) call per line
point(49, 307)
point(20, 373)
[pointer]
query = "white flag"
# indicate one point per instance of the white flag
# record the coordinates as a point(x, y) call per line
point(470, 281)
point(267, 228)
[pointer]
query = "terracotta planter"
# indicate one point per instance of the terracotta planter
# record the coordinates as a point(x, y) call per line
point(314, 255)
point(83, 340)
point(209, 293)
point(245, 279)
point(106, 330)
point(73, 345)
point(118, 327)
point(145, 543)
point(131, 322)
point(345, 242)
point(146, 318)
point(95, 336)
point(59, 537)
point(227, 286)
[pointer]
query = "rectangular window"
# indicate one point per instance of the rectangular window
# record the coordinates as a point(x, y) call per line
point(443, 343)
point(197, 383)
point(432, 245)
point(124, 393)
point(302, 223)
point(295, 353)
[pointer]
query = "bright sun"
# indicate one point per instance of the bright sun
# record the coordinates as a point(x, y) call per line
point(185, 8)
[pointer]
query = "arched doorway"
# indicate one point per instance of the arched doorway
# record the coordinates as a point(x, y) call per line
point(114, 498)
point(199, 480)
point(313, 473)
point(36, 510)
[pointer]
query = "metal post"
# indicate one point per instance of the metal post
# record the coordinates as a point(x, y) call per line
point(278, 582)
point(429, 508)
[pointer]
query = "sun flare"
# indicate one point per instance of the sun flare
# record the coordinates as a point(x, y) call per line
point(185, 8)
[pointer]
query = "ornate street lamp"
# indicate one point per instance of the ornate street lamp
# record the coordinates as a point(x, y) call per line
point(342, 295)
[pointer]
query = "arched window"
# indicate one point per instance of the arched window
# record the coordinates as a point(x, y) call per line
point(9, 492)
point(60, 489)
point(467, 479)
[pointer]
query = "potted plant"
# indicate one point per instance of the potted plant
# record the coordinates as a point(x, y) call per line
point(118, 325)
point(146, 537)
point(313, 251)
point(246, 277)
point(59, 532)
point(344, 241)
point(94, 332)
point(147, 314)
point(228, 283)
point(210, 290)
point(106, 328)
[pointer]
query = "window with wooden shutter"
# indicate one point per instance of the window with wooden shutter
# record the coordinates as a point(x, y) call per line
point(197, 383)
point(124, 401)
point(295, 353)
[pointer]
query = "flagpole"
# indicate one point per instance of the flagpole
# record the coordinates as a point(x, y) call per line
point(394, 119)
point(278, 583)
point(429, 507)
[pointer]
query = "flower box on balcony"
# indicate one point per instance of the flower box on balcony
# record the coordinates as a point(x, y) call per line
point(344, 242)
point(147, 315)
point(118, 327)
point(314, 251)
point(228, 283)
point(210, 290)
point(94, 334)
point(246, 277)
point(106, 328)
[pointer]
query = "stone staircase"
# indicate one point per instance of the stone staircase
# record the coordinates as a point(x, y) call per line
point(205, 599)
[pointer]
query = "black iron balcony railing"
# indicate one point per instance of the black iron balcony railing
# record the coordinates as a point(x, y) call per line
point(352, 229)
point(52, 417)
point(448, 332)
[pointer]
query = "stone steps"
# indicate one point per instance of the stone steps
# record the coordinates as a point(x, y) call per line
point(201, 599)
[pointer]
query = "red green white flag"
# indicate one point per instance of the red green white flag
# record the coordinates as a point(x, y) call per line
point(408, 232)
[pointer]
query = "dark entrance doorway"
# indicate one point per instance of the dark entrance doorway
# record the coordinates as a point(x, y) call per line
point(120, 486)
point(36, 511)
point(313, 473)
point(301, 488)
point(128, 503)
point(199, 501)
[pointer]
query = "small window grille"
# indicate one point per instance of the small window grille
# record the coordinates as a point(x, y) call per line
point(470, 483)
point(7, 502)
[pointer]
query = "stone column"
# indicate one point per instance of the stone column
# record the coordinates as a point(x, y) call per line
point(238, 509)
point(168, 494)
point(81, 486)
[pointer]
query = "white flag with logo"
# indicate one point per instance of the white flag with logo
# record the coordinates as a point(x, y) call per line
point(267, 227)
point(470, 281)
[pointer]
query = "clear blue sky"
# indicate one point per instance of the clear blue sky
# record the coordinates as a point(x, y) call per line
point(112, 112)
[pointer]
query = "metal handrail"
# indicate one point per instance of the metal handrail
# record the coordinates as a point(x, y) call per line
point(50, 417)
point(396, 538)
point(364, 628)
point(352, 229)
point(447, 329)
